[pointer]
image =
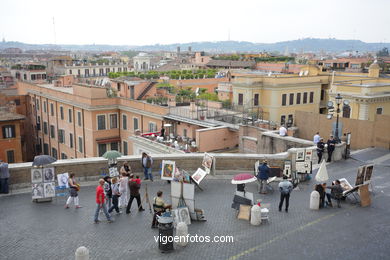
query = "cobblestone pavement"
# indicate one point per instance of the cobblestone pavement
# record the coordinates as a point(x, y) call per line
point(48, 231)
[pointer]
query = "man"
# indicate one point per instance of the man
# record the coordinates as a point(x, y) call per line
point(320, 149)
point(336, 192)
point(100, 203)
point(147, 162)
point(282, 131)
point(263, 175)
point(331, 146)
point(285, 188)
point(162, 132)
point(316, 138)
point(159, 206)
point(125, 169)
point(115, 196)
point(134, 194)
point(4, 175)
point(108, 190)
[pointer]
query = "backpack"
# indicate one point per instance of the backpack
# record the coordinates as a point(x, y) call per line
point(148, 162)
point(107, 189)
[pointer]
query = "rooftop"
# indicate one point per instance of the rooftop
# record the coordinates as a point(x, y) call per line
point(9, 116)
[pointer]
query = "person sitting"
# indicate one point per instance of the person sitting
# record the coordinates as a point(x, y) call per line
point(282, 131)
point(336, 192)
point(159, 207)
point(321, 191)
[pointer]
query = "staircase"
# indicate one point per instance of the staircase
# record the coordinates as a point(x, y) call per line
point(146, 90)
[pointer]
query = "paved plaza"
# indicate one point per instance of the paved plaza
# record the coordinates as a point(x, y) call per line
point(48, 231)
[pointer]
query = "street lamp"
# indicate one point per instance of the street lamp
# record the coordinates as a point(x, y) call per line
point(339, 100)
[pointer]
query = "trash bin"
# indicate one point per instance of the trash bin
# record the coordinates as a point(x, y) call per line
point(182, 232)
point(165, 231)
point(255, 215)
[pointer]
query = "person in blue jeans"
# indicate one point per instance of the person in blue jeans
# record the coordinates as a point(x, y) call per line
point(115, 196)
point(100, 202)
point(147, 162)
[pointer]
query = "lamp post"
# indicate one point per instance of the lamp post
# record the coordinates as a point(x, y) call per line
point(339, 99)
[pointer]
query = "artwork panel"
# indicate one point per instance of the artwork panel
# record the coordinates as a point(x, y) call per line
point(198, 175)
point(360, 175)
point(49, 189)
point(36, 175)
point(48, 174)
point(207, 161)
point(63, 179)
point(184, 215)
point(37, 191)
point(188, 191)
point(368, 174)
point(167, 170)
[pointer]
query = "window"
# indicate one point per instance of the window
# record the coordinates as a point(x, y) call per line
point(70, 140)
point(38, 123)
point(305, 98)
point(45, 128)
point(379, 110)
point(132, 92)
point(70, 115)
point(80, 144)
point(62, 113)
point(54, 152)
point(125, 149)
point(256, 100)
point(64, 156)
point(291, 99)
point(70, 72)
point(284, 99)
point(282, 120)
point(185, 132)
point(290, 120)
point(298, 98)
point(118, 86)
point(39, 146)
point(135, 123)
point(10, 156)
point(152, 127)
point(9, 131)
point(79, 118)
point(44, 106)
point(45, 149)
point(61, 136)
point(322, 94)
point(52, 131)
point(101, 122)
point(311, 99)
point(17, 102)
point(114, 146)
point(102, 149)
point(37, 104)
point(124, 122)
point(51, 109)
point(113, 121)
point(240, 99)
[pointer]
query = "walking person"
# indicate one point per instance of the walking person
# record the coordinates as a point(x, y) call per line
point(125, 169)
point(123, 189)
point(262, 176)
point(108, 191)
point(285, 188)
point(74, 187)
point(115, 196)
point(4, 176)
point(134, 194)
point(316, 138)
point(320, 149)
point(100, 203)
point(147, 162)
point(331, 146)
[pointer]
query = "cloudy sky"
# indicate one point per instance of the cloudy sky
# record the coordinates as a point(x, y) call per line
point(139, 22)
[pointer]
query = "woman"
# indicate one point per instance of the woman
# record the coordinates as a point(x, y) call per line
point(123, 189)
point(74, 187)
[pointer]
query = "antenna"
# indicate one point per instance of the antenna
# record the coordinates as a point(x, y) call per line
point(54, 31)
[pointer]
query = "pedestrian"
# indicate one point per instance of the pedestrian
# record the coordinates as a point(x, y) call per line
point(282, 131)
point(285, 188)
point(316, 138)
point(100, 203)
point(74, 187)
point(123, 189)
point(331, 146)
point(320, 149)
point(115, 196)
point(134, 194)
point(262, 176)
point(321, 191)
point(108, 191)
point(336, 192)
point(125, 169)
point(4, 176)
point(147, 162)
point(159, 206)
point(162, 132)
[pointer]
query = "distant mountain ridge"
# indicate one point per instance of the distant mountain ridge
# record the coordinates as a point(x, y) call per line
point(301, 45)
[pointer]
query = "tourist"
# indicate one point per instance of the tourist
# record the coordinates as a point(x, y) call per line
point(320, 149)
point(262, 176)
point(320, 189)
point(115, 196)
point(162, 132)
point(100, 202)
point(74, 187)
point(159, 206)
point(4, 176)
point(125, 169)
point(336, 192)
point(282, 131)
point(147, 162)
point(108, 191)
point(134, 194)
point(316, 138)
point(285, 188)
point(123, 189)
point(331, 146)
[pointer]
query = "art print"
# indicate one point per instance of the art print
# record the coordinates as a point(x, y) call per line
point(360, 176)
point(207, 161)
point(37, 191)
point(368, 175)
point(113, 171)
point(308, 155)
point(48, 174)
point(49, 189)
point(36, 175)
point(167, 170)
point(300, 155)
point(184, 215)
point(63, 180)
point(198, 175)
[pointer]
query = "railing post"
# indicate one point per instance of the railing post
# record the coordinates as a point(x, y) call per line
point(82, 253)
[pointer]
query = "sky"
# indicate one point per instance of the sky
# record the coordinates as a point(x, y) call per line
point(147, 22)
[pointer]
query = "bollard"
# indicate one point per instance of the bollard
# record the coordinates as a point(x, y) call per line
point(315, 200)
point(82, 253)
point(256, 215)
point(182, 232)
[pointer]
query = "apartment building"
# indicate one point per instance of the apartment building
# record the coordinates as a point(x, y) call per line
point(10, 136)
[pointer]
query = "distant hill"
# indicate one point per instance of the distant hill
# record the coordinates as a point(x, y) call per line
point(301, 45)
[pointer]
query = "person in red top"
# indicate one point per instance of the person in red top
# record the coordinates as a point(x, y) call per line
point(100, 199)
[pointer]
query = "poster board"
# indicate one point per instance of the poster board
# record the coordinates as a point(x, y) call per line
point(365, 198)
point(62, 180)
point(49, 189)
point(43, 183)
point(360, 175)
point(303, 167)
point(300, 156)
point(245, 212)
point(113, 171)
point(36, 175)
point(167, 170)
point(198, 176)
point(308, 155)
point(207, 161)
point(181, 214)
point(287, 168)
point(37, 191)
point(48, 174)
point(368, 173)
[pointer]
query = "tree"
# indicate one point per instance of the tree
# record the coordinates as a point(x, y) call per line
point(383, 53)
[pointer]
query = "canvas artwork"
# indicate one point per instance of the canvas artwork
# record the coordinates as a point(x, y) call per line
point(49, 189)
point(368, 175)
point(302, 167)
point(345, 184)
point(287, 169)
point(308, 155)
point(177, 176)
point(63, 179)
point(300, 155)
point(360, 175)
point(167, 170)
point(113, 172)
point(37, 191)
point(36, 175)
point(207, 161)
point(184, 215)
point(48, 174)
point(198, 175)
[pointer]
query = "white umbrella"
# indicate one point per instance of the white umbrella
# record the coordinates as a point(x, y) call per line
point(322, 174)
